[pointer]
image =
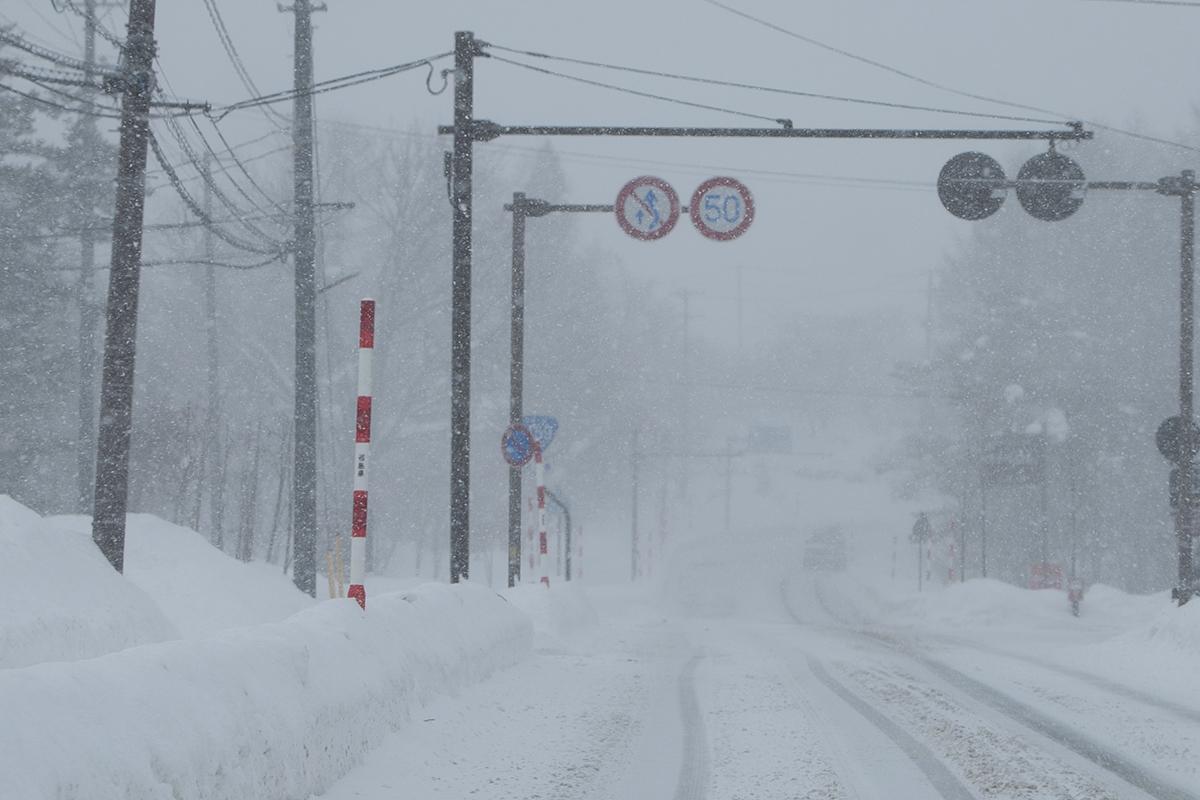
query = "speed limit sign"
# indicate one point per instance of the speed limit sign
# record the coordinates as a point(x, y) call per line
point(722, 208)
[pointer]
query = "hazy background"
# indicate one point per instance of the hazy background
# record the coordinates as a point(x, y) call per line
point(850, 262)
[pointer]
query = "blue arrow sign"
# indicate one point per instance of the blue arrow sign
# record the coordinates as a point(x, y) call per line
point(543, 429)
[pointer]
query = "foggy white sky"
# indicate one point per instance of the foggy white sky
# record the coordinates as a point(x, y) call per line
point(814, 246)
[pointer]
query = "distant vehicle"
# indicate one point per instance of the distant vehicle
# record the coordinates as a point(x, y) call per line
point(825, 550)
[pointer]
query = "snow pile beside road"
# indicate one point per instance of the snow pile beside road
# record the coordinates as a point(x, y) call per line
point(1176, 630)
point(275, 711)
point(559, 614)
point(61, 599)
point(200, 589)
point(980, 604)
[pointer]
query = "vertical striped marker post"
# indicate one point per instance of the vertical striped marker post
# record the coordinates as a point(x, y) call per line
point(362, 453)
point(540, 475)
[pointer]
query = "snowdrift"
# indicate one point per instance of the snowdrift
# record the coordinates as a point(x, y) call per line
point(61, 599)
point(275, 711)
point(200, 589)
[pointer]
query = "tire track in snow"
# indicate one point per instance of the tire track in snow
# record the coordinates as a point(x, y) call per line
point(938, 775)
point(1082, 745)
point(693, 767)
point(1111, 687)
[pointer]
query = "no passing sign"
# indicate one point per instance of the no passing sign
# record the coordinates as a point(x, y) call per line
point(647, 208)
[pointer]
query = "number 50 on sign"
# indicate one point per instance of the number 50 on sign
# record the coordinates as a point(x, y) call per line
point(722, 208)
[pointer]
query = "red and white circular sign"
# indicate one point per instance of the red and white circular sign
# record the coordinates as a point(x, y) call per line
point(722, 208)
point(647, 208)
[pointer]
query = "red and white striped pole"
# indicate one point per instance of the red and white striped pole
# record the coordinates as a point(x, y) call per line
point(540, 476)
point(362, 453)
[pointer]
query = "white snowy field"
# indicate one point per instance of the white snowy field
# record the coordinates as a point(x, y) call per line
point(734, 673)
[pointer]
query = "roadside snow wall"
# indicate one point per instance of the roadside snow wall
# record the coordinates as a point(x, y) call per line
point(60, 600)
point(274, 711)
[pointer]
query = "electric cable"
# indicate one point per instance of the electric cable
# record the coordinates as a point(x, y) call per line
point(636, 92)
point(940, 86)
point(52, 104)
point(770, 89)
point(45, 53)
point(235, 58)
point(206, 262)
point(194, 160)
point(195, 208)
point(328, 85)
point(241, 164)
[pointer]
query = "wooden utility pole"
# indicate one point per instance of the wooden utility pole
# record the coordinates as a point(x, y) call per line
point(304, 476)
point(120, 338)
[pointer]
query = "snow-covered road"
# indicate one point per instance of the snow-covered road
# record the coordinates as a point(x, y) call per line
point(795, 703)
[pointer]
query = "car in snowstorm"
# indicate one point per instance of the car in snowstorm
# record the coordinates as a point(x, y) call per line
point(825, 549)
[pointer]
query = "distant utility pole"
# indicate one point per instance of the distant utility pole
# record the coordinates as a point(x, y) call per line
point(634, 454)
point(304, 482)
point(213, 459)
point(120, 338)
point(89, 316)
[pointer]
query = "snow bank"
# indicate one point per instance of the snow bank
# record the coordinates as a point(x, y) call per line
point(559, 614)
point(61, 599)
point(200, 589)
point(274, 711)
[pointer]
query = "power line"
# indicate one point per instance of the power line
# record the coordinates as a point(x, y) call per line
point(52, 104)
point(44, 53)
point(329, 85)
point(205, 262)
point(195, 208)
point(934, 84)
point(770, 89)
point(194, 162)
point(241, 165)
point(1155, 2)
point(638, 93)
point(239, 66)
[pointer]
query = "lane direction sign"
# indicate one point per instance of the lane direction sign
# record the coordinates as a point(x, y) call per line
point(542, 428)
point(517, 445)
point(722, 208)
point(647, 208)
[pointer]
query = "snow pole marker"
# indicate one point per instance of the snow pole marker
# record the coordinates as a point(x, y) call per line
point(362, 452)
point(540, 476)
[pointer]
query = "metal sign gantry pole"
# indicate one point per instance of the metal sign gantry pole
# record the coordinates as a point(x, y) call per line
point(467, 130)
point(522, 208)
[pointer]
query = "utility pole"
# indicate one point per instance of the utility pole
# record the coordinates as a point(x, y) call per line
point(1184, 517)
point(740, 329)
point(465, 51)
point(635, 567)
point(729, 454)
point(212, 450)
point(304, 474)
point(686, 405)
point(89, 316)
point(516, 381)
point(120, 337)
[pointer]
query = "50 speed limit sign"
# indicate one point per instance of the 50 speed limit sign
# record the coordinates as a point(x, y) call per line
point(722, 208)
